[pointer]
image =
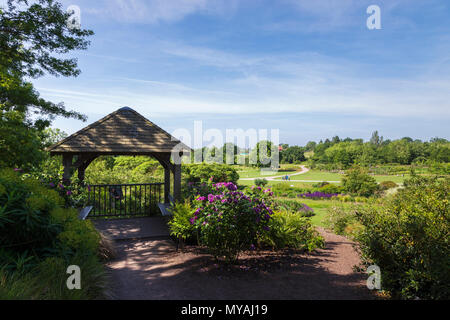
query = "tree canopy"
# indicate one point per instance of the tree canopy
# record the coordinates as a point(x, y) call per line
point(34, 37)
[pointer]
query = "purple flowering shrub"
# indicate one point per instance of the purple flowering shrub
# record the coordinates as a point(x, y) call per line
point(192, 190)
point(230, 221)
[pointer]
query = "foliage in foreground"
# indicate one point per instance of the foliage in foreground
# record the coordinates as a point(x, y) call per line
point(39, 239)
point(408, 238)
point(180, 225)
point(291, 230)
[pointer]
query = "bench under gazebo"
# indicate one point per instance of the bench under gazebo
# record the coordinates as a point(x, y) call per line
point(123, 132)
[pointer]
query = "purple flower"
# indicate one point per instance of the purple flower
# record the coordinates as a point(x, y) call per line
point(266, 228)
point(69, 193)
point(51, 184)
point(201, 199)
point(252, 247)
point(61, 186)
point(211, 198)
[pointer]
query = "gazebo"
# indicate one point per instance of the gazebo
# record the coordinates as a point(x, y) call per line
point(123, 132)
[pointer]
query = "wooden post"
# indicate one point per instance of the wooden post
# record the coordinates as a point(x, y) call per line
point(81, 173)
point(177, 182)
point(166, 184)
point(82, 165)
point(67, 163)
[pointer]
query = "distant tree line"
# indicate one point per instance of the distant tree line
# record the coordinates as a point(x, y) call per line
point(405, 151)
point(336, 152)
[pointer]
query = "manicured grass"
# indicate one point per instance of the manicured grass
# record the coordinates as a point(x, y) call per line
point(320, 208)
point(318, 176)
point(247, 172)
point(396, 179)
point(271, 183)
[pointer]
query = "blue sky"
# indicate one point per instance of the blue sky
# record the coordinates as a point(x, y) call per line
point(309, 68)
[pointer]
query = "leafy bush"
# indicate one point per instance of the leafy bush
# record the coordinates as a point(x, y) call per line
point(288, 230)
point(408, 238)
point(202, 173)
point(386, 185)
point(294, 206)
point(357, 182)
point(318, 195)
point(261, 182)
point(285, 190)
point(343, 221)
point(180, 225)
point(34, 228)
point(25, 220)
point(230, 221)
point(331, 188)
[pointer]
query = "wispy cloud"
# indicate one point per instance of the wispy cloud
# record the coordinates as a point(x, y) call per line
point(153, 11)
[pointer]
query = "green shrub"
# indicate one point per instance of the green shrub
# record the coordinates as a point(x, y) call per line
point(331, 188)
point(357, 182)
point(198, 173)
point(288, 230)
point(320, 184)
point(39, 239)
point(294, 207)
point(342, 221)
point(261, 182)
point(285, 190)
point(408, 238)
point(181, 226)
point(25, 220)
point(386, 185)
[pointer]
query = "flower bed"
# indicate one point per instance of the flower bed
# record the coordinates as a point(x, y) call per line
point(318, 195)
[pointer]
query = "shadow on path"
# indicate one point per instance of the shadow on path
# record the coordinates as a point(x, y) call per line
point(152, 269)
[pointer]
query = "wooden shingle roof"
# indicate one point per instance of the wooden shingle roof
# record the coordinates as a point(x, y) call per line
point(122, 132)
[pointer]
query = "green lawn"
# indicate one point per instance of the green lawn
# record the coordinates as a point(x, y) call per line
point(315, 175)
point(320, 208)
point(246, 172)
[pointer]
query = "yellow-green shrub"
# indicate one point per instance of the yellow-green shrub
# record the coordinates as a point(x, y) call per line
point(290, 230)
point(408, 238)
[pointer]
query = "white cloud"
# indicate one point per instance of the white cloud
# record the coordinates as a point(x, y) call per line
point(153, 11)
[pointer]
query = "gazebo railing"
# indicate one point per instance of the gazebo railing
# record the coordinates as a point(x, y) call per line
point(125, 200)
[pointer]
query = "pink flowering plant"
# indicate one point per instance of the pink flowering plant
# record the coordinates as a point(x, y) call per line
point(230, 221)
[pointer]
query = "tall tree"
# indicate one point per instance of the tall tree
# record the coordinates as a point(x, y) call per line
point(34, 35)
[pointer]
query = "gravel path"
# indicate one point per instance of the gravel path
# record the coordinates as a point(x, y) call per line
point(154, 270)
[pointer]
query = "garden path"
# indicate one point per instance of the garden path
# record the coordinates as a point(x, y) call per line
point(154, 270)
